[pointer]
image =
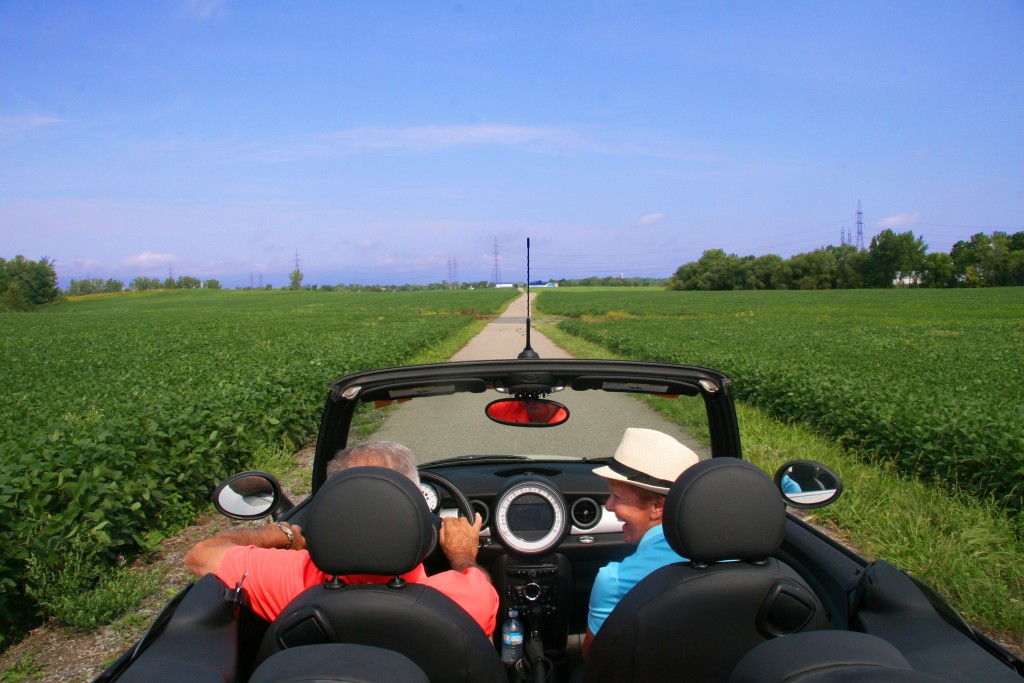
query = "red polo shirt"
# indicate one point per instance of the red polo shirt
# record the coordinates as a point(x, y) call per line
point(276, 576)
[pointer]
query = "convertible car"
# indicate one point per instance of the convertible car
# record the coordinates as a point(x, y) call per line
point(762, 597)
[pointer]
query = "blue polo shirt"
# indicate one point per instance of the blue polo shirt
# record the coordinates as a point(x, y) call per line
point(616, 579)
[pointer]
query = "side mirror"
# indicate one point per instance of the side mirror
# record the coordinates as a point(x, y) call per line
point(807, 484)
point(527, 412)
point(251, 495)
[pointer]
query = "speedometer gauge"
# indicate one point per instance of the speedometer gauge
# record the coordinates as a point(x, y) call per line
point(530, 516)
point(432, 497)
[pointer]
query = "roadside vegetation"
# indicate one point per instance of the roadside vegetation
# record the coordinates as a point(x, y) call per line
point(943, 362)
point(121, 412)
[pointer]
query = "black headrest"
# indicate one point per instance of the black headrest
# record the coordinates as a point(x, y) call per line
point(724, 509)
point(368, 520)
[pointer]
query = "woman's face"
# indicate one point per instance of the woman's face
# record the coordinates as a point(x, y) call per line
point(637, 514)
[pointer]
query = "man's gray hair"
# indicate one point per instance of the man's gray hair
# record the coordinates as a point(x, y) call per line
point(389, 454)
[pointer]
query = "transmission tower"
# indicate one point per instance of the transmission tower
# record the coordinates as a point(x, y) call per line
point(860, 227)
point(453, 273)
point(296, 259)
point(497, 263)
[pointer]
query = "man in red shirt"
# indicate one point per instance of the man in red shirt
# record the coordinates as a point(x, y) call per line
point(277, 566)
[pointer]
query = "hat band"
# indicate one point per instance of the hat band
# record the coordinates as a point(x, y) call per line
point(638, 476)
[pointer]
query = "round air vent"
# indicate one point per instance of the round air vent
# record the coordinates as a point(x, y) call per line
point(585, 513)
point(481, 507)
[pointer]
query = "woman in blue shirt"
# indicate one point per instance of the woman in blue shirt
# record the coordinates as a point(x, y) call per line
point(646, 464)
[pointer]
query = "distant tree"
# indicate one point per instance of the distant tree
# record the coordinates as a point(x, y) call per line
point(769, 272)
point(25, 284)
point(80, 287)
point(170, 283)
point(295, 277)
point(141, 284)
point(972, 260)
point(94, 286)
point(811, 270)
point(938, 270)
point(188, 282)
point(1017, 241)
point(846, 266)
point(894, 258)
point(1015, 267)
point(714, 270)
point(211, 284)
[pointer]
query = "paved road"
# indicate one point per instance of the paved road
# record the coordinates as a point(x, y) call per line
point(439, 428)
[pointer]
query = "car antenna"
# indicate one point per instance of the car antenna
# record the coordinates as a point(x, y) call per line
point(528, 352)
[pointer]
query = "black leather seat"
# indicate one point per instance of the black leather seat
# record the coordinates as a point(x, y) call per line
point(371, 520)
point(692, 621)
point(338, 662)
point(827, 657)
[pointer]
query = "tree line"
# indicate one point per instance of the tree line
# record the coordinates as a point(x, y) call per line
point(892, 260)
point(25, 284)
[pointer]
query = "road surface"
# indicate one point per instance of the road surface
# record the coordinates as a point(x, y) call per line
point(439, 428)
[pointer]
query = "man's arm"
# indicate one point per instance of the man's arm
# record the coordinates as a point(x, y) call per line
point(460, 542)
point(205, 557)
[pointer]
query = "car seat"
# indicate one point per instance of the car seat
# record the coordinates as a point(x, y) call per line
point(371, 520)
point(827, 657)
point(693, 620)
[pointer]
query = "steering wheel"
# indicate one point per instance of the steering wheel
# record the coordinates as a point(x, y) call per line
point(437, 558)
point(461, 502)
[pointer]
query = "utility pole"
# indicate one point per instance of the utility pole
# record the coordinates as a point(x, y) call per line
point(860, 227)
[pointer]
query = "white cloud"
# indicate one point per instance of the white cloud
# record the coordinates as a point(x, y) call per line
point(651, 218)
point(149, 259)
point(203, 9)
point(12, 127)
point(901, 219)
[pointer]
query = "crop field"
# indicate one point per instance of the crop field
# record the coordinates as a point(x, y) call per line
point(120, 413)
point(932, 380)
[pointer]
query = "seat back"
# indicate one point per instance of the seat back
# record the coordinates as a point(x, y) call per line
point(370, 520)
point(694, 620)
point(827, 657)
point(339, 662)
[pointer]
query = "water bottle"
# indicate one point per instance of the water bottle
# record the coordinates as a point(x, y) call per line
point(512, 638)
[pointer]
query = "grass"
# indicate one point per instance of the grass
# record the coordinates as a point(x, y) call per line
point(85, 608)
point(966, 548)
point(25, 669)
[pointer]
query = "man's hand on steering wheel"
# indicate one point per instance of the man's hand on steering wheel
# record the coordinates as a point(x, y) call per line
point(460, 541)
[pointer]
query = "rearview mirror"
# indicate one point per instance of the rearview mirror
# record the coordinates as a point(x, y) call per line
point(808, 484)
point(527, 412)
point(251, 495)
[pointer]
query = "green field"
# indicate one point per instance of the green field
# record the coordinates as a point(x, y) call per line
point(931, 363)
point(120, 413)
point(930, 379)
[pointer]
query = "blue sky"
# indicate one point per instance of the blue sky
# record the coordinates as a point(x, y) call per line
point(381, 141)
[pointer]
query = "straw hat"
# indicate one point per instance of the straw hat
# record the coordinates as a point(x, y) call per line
point(648, 459)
